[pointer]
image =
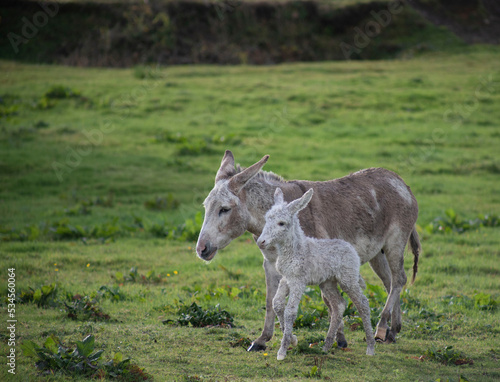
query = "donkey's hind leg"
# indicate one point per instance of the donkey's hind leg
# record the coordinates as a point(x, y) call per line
point(381, 267)
point(392, 308)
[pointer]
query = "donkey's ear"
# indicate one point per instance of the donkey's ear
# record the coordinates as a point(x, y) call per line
point(226, 169)
point(238, 181)
point(278, 196)
point(301, 203)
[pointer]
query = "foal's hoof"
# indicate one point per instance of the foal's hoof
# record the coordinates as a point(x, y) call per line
point(341, 344)
point(256, 347)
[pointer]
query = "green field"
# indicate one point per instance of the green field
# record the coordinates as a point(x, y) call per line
point(103, 170)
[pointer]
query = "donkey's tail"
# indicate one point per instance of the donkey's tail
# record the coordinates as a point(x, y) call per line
point(416, 248)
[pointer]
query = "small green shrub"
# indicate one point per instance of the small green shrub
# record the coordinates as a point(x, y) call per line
point(63, 230)
point(161, 203)
point(79, 209)
point(451, 222)
point(44, 297)
point(447, 356)
point(85, 309)
point(60, 92)
point(189, 231)
point(483, 301)
point(7, 111)
point(308, 318)
point(194, 147)
point(83, 360)
point(113, 293)
point(40, 125)
point(133, 276)
point(198, 317)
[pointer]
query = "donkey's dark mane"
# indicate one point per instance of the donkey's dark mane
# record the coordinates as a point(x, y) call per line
point(264, 175)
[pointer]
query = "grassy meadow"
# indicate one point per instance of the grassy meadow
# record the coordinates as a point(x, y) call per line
point(103, 171)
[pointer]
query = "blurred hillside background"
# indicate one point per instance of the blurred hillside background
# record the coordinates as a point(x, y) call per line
point(126, 33)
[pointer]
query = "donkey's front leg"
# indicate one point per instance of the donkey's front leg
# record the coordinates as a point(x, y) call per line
point(272, 281)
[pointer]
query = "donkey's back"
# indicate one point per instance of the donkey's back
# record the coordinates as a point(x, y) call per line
point(366, 208)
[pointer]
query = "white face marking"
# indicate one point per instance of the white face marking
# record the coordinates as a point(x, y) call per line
point(401, 189)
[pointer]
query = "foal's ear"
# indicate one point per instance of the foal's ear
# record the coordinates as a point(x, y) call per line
point(301, 203)
point(278, 196)
point(226, 167)
point(239, 180)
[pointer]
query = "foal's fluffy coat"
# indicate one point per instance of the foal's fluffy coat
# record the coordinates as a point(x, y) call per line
point(302, 261)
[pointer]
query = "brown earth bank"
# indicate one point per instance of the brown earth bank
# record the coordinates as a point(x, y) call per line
point(232, 32)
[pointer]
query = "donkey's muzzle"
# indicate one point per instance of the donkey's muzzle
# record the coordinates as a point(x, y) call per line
point(206, 252)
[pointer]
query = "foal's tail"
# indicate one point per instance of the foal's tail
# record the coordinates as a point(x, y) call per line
point(416, 248)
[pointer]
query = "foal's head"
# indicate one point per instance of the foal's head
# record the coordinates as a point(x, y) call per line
point(280, 219)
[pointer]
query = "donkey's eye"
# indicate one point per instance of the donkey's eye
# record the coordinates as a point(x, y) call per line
point(281, 224)
point(223, 210)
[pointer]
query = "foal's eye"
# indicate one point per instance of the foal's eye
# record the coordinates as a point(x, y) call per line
point(281, 224)
point(223, 210)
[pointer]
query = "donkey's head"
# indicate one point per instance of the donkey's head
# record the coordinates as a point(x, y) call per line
point(226, 214)
point(280, 219)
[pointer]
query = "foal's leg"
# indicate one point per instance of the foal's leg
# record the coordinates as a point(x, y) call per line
point(296, 292)
point(279, 302)
point(272, 281)
point(279, 305)
point(332, 306)
point(336, 307)
point(353, 290)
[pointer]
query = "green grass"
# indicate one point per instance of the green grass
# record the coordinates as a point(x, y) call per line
point(168, 133)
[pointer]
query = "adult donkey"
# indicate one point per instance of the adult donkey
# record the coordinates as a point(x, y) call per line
point(372, 209)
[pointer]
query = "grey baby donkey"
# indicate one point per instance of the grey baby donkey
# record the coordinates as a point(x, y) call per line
point(302, 261)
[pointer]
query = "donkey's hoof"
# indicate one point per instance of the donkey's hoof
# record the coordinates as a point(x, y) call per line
point(294, 341)
point(391, 337)
point(281, 357)
point(342, 344)
point(381, 334)
point(256, 347)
